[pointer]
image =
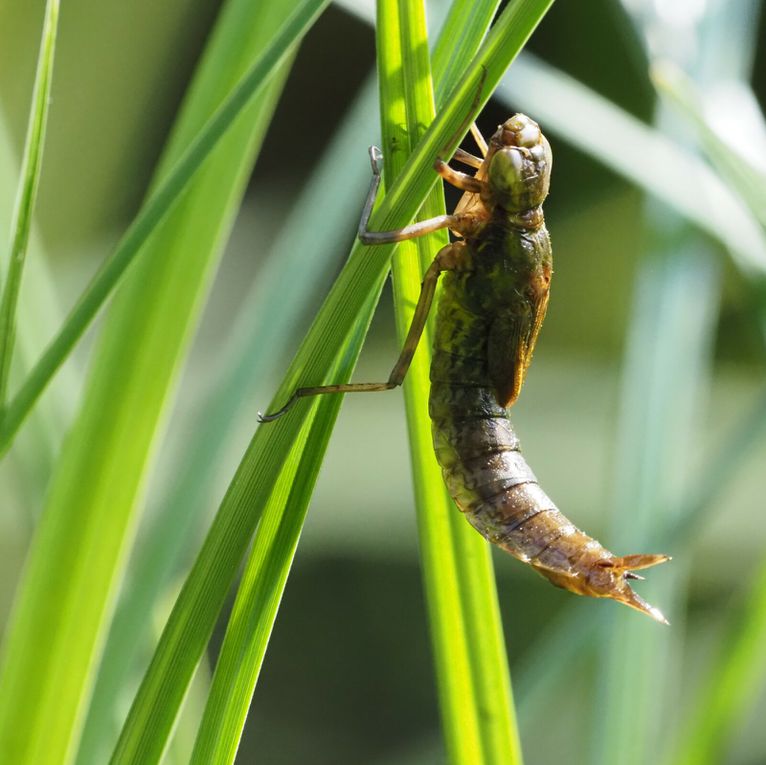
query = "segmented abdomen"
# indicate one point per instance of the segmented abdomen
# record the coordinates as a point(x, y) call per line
point(480, 455)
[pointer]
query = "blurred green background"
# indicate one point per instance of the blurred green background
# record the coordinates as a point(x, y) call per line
point(348, 677)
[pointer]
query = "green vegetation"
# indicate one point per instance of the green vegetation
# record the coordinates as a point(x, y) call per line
point(130, 498)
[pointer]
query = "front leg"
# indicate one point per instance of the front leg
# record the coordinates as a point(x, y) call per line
point(457, 222)
point(449, 258)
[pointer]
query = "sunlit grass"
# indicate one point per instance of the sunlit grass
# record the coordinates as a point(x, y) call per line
point(100, 478)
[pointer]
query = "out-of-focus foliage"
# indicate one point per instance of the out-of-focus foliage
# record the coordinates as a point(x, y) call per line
point(348, 676)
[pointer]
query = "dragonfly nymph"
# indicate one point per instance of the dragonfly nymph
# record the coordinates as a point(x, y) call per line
point(495, 287)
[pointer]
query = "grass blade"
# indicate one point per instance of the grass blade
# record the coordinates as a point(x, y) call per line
point(30, 178)
point(407, 101)
point(55, 637)
point(743, 176)
point(165, 195)
point(39, 316)
point(347, 307)
point(474, 687)
point(260, 592)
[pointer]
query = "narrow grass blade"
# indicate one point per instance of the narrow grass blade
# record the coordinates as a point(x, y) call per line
point(66, 595)
point(260, 591)
point(164, 196)
point(744, 176)
point(25, 203)
point(39, 315)
point(474, 687)
point(406, 101)
point(349, 302)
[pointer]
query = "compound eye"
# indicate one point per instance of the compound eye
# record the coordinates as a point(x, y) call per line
point(506, 170)
point(507, 167)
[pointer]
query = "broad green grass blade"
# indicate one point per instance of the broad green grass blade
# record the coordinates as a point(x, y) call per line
point(76, 560)
point(653, 161)
point(25, 203)
point(164, 196)
point(204, 592)
point(318, 224)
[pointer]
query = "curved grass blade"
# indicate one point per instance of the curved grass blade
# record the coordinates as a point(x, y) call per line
point(59, 620)
point(162, 199)
point(30, 178)
point(204, 592)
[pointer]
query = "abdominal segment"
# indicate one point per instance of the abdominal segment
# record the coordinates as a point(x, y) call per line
point(492, 483)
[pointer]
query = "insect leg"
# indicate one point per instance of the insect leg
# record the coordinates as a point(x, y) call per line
point(460, 180)
point(446, 259)
point(481, 141)
point(399, 235)
point(467, 159)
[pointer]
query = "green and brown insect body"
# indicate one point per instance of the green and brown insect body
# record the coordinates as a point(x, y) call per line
point(492, 305)
point(489, 315)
